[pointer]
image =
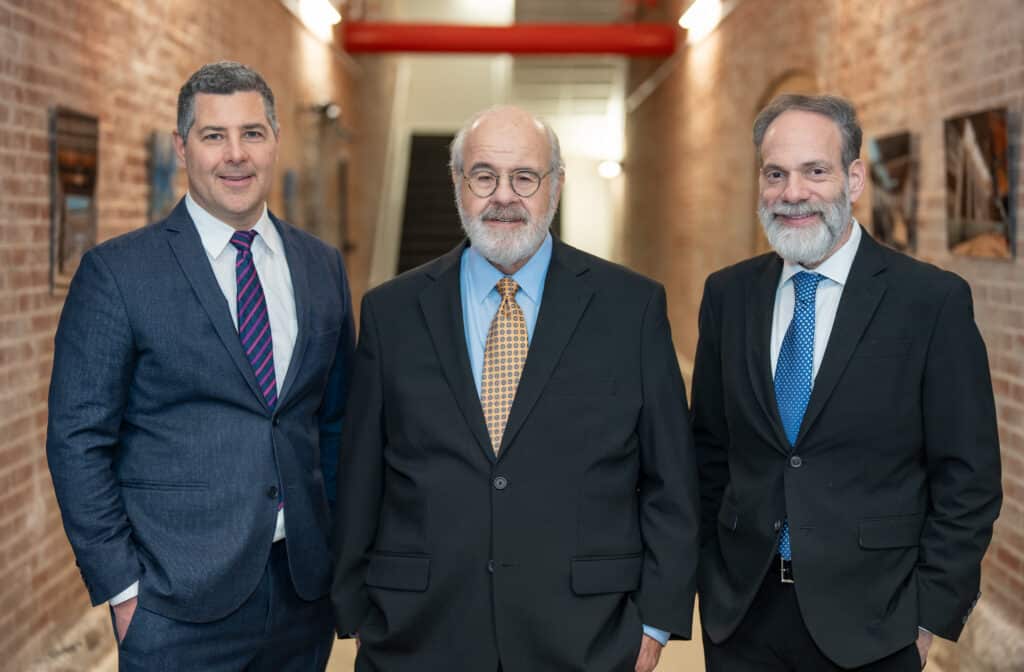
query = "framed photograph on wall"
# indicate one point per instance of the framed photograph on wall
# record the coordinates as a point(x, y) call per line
point(74, 164)
point(978, 200)
point(894, 173)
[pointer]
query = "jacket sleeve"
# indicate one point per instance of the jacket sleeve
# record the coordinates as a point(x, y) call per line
point(332, 410)
point(668, 482)
point(710, 430)
point(94, 357)
point(962, 456)
point(360, 480)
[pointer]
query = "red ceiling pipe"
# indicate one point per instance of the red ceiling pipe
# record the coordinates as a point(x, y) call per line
point(629, 39)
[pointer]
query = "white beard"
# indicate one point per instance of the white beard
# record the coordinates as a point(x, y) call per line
point(506, 247)
point(806, 245)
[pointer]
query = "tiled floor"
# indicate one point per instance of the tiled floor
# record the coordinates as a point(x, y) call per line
point(677, 656)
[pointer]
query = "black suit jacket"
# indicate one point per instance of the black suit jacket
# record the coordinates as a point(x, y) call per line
point(552, 555)
point(893, 484)
point(162, 448)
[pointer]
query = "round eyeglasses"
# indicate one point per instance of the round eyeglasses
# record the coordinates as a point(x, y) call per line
point(525, 182)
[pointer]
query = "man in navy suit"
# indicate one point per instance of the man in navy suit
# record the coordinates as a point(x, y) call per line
point(195, 408)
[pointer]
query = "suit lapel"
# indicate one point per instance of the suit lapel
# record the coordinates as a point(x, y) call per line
point(442, 309)
point(566, 296)
point(188, 250)
point(760, 307)
point(861, 296)
point(299, 271)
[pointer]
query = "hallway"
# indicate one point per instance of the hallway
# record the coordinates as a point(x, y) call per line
point(661, 176)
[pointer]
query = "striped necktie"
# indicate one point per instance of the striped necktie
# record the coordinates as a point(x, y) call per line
point(253, 320)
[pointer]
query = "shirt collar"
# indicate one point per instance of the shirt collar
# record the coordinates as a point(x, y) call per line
point(837, 267)
point(530, 278)
point(216, 235)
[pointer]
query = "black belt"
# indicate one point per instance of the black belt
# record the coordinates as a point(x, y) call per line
point(785, 570)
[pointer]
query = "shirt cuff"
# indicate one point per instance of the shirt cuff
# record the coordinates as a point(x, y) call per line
point(659, 636)
point(125, 595)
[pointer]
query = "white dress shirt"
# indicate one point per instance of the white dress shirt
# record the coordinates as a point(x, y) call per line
point(275, 277)
point(834, 272)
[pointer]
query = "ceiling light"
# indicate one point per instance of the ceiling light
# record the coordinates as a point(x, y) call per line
point(701, 18)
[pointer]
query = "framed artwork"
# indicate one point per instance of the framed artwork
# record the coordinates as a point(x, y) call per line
point(978, 204)
point(74, 163)
point(161, 168)
point(894, 167)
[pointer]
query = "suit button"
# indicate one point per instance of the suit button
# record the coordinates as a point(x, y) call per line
point(795, 461)
point(500, 483)
point(777, 525)
point(272, 492)
point(276, 421)
point(490, 566)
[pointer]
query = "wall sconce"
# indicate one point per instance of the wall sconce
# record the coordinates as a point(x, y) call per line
point(609, 170)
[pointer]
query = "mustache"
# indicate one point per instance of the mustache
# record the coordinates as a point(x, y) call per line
point(797, 209)
point(506, 213)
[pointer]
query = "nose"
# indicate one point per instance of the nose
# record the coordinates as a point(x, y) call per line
point(234, 152)
point(796, 189)
point(504, 193)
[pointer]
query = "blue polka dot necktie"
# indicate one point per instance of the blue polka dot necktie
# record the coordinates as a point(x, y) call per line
point(253, 320)
point(793, 371)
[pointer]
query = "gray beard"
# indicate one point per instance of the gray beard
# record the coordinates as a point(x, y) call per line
point(506, 247)
point(806, 246)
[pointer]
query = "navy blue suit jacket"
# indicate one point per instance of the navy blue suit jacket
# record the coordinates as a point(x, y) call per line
point(162, 450)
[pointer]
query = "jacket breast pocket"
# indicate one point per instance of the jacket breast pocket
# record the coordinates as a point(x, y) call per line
point(569, 385)
point(606, 574)
point(891, 531)
point(399, 572)
point(882, 348)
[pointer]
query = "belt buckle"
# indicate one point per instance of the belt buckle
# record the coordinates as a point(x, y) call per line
point(785, 571)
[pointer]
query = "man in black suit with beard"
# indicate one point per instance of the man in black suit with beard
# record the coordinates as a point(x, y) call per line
point(845, 427)
point(502, 511)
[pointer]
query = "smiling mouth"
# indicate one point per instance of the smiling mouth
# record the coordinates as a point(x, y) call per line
point(798, 220)
point(236, 179)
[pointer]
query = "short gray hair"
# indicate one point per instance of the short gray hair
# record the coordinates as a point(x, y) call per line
point(223, 78)
point(455, 150)
point(839, 110)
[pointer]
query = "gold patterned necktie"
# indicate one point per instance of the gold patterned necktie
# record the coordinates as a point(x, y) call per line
point(504, 356)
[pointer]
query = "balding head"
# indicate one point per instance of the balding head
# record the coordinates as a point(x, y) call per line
point(508, 117)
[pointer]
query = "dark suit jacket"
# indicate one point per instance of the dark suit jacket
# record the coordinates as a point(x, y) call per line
point(161, 447)
point(552, 555)
point(893, 484)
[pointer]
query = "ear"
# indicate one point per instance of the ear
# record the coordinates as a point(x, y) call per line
point(857, 175)
point(179, 147)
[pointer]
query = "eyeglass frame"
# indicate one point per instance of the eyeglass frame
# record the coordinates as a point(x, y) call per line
point(511, 183)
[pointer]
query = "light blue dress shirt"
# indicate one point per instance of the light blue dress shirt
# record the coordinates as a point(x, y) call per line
point(480, 301)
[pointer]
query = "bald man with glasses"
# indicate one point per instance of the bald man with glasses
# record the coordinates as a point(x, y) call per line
point(518, 488)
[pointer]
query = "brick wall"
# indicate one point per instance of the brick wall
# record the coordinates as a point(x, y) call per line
point(123, 61)
point(907, 65)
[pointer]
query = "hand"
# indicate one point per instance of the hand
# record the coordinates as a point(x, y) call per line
point(123, 614)
point(924, 642)
point(650, 652)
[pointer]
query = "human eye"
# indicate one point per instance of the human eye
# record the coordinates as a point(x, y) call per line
point(773, 175)
point(483, 179)
point(525, 178)
point(253, 134)
point(212, 136)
